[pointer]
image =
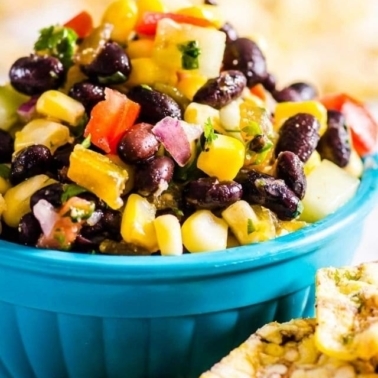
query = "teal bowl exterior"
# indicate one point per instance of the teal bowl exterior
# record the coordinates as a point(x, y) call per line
point(68, 315)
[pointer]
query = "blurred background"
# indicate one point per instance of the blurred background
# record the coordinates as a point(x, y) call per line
point(332, 43)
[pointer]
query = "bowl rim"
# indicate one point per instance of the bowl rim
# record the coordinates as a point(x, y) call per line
point(259, 254)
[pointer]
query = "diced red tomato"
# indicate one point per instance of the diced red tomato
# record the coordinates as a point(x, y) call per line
point(259, 91)
point(363, 126)
point(82, 24)
point(110, 119)
point(62, 235)
point(148, 24)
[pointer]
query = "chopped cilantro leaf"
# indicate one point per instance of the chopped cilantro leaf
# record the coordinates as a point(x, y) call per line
point(252, 129)
point(250, 226)
point(4, 171)
point(117, 78)
point(190, 53)
point(59, 42)
point(86, 143)
point(208, 131)
point(71, 190)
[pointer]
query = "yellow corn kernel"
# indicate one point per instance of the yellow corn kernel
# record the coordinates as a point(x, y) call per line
point(168, 233)
point(242, 221)
point(203, 232)
point(150, 6)
point(137, 225)
point(313, 161)
point(122, 14)
point(190, 82)
point(207, 12)
point(140, 48)
point(4, 185)
point(98, 174)
point(2, 206)
point(147, 71)
point(285, 110)
point(267, 224)
point(42, 131)
point(222, 158)
point(17, 198)
point(199, 114)
point(58, 105)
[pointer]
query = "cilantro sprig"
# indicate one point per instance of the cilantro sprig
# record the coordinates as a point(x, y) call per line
point(59, 42)
point(209, 132)
point(190, 53)
point(5, 171)
point(71, 190)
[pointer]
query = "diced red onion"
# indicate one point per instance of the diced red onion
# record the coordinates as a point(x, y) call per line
point(27, 109)
point(46, 215)
point(173, 136)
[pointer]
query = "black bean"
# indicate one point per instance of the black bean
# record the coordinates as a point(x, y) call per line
point(138, 144)
point(30, 161)
point(61, 156)
point(154, 175)
point(299, 91)
point(244, 55)
point(209, 193)
point(269, 82)
point(29, 230)
point(222, 90)
point(210, 2)
point(266, 190)
point(35, 74)
point(334, 145)
point(51, 193)
point(154, 105)
point(110, 66)
point(89, 94)
point(6, 146)
point(290, 169)
point(230, 31)
point(299, 134)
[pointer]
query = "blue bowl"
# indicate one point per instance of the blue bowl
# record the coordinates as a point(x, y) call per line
point(87, 316)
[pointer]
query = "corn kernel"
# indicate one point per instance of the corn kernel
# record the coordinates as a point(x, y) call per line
point(285, 110)
point(137, 225)
point(242, 221)
point(98, 174)
point(222, 158)
point(17, 198)
point(203, 231)
point(204, 11)
point(147, 71)
point(58, 105)
point(42, 131)
point(122, 14)
point(168, 233)
point(189, 83)
point(140, 48)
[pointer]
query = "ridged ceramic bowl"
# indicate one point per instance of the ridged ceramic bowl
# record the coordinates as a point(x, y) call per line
point(68, 315)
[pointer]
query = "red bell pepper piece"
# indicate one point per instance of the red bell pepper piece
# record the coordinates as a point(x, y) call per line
point(110, 119)
point(363, 126)
point(148, 24)
point(82, 24)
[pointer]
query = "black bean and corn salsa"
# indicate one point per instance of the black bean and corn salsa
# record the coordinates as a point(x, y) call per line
point(162, 131)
